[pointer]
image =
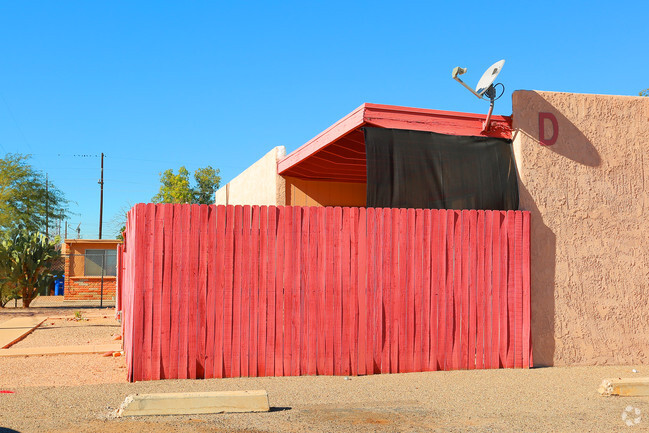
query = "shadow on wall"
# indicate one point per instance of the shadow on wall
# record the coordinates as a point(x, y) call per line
point(570, 142)
point(540, 121)
point(543, 269)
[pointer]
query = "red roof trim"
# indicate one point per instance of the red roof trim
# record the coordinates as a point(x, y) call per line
point(390, 116)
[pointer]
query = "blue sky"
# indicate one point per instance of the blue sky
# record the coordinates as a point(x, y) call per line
point(157, 85)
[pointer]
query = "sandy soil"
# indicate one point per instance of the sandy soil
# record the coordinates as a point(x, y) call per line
point(72, 393)
point(69, 331)
point(10, 313)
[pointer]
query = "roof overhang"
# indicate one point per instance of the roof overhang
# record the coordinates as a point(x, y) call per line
point(338, 153)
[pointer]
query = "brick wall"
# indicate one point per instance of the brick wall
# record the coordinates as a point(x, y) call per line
point(79, 287)
point(89, 288)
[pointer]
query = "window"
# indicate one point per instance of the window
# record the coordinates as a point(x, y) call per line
point(95, 259)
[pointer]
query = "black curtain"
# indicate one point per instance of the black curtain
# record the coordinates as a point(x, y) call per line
point(418, 169)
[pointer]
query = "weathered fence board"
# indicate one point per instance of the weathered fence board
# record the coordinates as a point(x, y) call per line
point(232, 291)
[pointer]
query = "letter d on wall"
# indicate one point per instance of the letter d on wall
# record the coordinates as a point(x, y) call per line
point(555, 129)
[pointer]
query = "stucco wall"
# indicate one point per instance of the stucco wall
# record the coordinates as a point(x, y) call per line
point(590, 207)
point(301, 192)
point(259, 184)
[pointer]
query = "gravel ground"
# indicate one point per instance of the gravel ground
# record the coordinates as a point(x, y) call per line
point(538, 400)
point(10, 313)
point(67, 332)
point(77, 393)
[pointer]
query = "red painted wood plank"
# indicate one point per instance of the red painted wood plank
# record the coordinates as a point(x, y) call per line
point(289, 276)
point(254, 283)
point(187, 296)
point(518, 289)
point(228, 291)
point(418, 304)
point(263, 290)
point(527, 336)
point(280, 290)
point(403, 285)
point(511, 288)
point(166, 234)
point(176, 293)
point(304, 294)
point(410, 290)
point(397, 294)
point(148, 270)
point(371, 365)
point(237, 292)
point(480, 291)
point(192, 324)
point(505, 279)
point(272, 275)
point(314, 274)
point(221, 277)
point(193, 313)
point(204, 257)
point(463, 295)
point(491, 358)
point(488, 288)
point(321, 305)
point(450, 293)
point(329, 299)
point(457, 291)
point(472, 294)
point(387, 290)
point(496, 288)
point(214, 287)
point(426, 288)
point(147, 285)
point(362, 292)
point(352, 303)
point(244, 289)
point(158, 246)
point(371, 289)
point(345, 259)
point(296, 337)
point(377, 298)
point(436, 258)
point(337, 291)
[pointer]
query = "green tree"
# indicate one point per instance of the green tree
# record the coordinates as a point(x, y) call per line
point(644, 92)
point(25, 201)
point(26, 260)
point(176, 188)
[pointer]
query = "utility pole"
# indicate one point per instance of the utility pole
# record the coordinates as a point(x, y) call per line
point(101, 196)
point(66, 230)
point(47, 206)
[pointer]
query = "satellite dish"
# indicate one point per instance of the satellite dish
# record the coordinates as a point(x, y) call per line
point(489, 77)
point(485, 86)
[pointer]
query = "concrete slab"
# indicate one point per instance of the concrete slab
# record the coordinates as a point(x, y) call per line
point(61, 350)
point(14, 330)
point(625, 387)
point(188, 403)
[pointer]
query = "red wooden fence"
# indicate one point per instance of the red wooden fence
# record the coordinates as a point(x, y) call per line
point(232, 291)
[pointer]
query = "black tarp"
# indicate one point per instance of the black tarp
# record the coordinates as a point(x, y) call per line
point(419, 169)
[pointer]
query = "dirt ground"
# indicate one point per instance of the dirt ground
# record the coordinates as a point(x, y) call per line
point(78, 393)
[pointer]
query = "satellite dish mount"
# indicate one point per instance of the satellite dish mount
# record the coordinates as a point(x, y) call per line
point(485, 88)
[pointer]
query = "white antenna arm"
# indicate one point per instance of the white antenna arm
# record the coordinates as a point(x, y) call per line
point(459, 71)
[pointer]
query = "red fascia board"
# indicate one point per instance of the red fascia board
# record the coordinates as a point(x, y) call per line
point(345, 125)
point(390, 116)
point(443, 122)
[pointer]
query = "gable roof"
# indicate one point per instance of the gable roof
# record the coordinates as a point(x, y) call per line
point(338, 153)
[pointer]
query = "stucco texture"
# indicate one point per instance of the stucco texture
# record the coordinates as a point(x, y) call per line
point(259, 184)
point(590, 208)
